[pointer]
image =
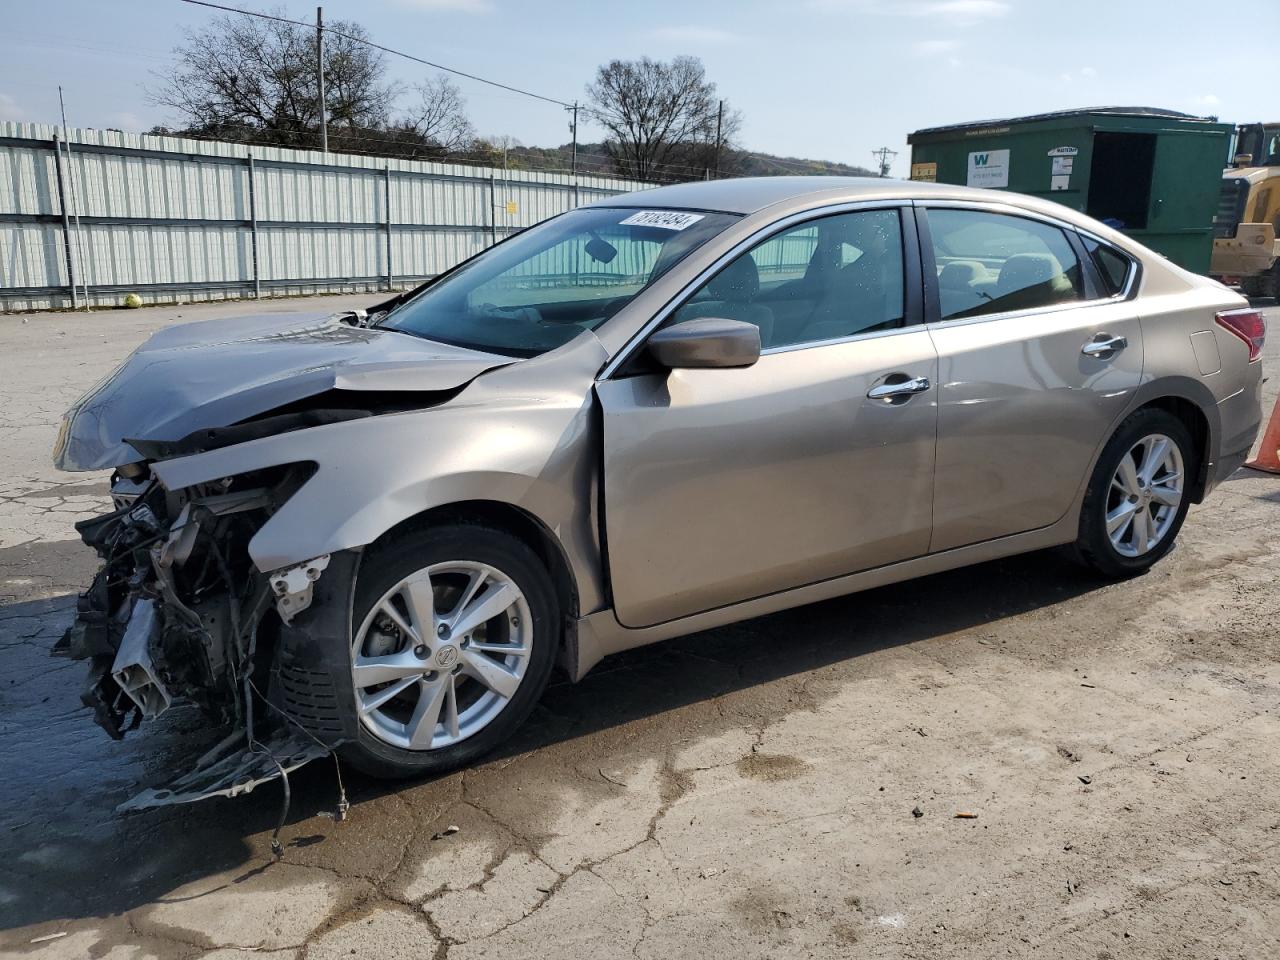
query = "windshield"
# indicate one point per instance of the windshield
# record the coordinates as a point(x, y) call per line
point(543, 287)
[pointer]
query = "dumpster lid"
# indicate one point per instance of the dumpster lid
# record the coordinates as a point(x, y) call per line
point(1155, 113)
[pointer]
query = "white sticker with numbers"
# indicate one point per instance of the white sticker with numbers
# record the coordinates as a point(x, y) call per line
point(666, 219)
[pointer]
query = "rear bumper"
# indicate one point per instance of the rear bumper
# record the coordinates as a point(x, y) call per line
point(1225, 467)
point(1240, 416)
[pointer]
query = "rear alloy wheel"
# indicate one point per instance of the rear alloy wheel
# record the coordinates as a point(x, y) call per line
point(455, 634)
point(1137, 497)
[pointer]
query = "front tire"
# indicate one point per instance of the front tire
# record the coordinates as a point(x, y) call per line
point(1138, 495)
point(454, 633)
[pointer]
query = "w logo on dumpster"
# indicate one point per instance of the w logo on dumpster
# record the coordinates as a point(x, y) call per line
point(989, 168)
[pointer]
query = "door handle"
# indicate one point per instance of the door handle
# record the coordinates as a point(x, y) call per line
point(891, 391)
point(1104, 345)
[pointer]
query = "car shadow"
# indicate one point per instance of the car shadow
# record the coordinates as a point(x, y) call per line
point(69, 855)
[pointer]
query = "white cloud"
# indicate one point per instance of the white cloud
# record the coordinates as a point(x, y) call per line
point(9, 109)
point(1084, 75)
point(961, 9)
point(701, 36)
point(959, 12)
point(449, 6)
point(933, 48)
point(126, 121)
point(1206, 100)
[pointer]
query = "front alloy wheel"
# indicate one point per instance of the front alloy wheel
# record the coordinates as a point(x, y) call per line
point(441, 654)
point(455, 632)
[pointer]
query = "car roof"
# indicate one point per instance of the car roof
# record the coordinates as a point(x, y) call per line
point(746, 195)
point(783, 196)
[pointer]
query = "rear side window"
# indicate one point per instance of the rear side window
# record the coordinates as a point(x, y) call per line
point(994, 262)
point(1113, 266)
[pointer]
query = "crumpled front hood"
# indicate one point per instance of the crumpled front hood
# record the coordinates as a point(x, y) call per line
point(215, 373)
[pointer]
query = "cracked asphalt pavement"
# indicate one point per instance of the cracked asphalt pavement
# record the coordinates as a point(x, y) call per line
point(746, 792)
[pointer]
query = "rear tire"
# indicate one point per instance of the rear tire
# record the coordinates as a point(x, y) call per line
point(1127, 520)
point(481, 705)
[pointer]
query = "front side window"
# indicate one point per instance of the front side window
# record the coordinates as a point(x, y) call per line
point(822, 280)
point(993, 262)
point(543, 287)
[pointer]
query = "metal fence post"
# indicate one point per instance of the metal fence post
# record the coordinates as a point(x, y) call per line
point(253, 232)
point(66, 222)
point(386, 198)
point(493, 211)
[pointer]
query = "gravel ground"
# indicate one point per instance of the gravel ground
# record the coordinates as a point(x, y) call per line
point(747, 791)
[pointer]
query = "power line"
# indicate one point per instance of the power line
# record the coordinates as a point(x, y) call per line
point(378, 46)
point(884, 156)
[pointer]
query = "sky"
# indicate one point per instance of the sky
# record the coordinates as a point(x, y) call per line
point(822, 79)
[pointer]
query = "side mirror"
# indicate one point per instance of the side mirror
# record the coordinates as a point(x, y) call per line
point(706, 342)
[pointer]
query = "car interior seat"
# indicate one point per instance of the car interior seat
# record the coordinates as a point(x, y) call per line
point(964, 285)
point(731, 294)
point(1026, 278)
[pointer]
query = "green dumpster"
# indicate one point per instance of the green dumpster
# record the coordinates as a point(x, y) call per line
point(1155, 174)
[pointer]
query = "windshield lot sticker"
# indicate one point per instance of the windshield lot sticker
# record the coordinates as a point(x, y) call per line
point(989, 168)
point(666, 219)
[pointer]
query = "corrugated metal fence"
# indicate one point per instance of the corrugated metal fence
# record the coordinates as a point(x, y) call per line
point(176, 219)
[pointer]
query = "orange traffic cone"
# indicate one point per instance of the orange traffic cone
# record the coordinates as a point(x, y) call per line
point(1269, 455)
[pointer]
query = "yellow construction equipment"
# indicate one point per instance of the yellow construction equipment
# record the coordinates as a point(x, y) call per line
point(1245, 248)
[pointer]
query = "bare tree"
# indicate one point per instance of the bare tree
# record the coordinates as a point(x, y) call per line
point(245, 78)
point(438, 116)
point(660, 117)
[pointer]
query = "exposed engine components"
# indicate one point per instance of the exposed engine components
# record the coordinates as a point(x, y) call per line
point(175, 615)
point(133, 670)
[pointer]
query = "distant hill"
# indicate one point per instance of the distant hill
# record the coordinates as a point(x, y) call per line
point(592, 158)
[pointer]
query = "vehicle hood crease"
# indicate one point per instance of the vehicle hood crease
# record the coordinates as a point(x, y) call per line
point(217, 373)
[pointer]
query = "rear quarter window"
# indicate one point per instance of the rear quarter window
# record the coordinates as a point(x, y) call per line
point(1113, 266)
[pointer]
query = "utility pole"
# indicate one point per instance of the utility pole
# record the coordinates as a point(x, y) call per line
point(884, 157)
point(573, 166)
point(719, 124)
point(324, 113)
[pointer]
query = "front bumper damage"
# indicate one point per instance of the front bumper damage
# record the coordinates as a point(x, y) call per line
point(178, 613)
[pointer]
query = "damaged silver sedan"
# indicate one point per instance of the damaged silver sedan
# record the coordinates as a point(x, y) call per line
point(378, 533)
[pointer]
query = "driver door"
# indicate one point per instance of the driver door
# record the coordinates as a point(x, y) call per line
point(721, 485)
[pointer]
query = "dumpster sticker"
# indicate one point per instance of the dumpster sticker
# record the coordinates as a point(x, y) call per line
point(989, 168)
point(924, 172)
point(1061, 165)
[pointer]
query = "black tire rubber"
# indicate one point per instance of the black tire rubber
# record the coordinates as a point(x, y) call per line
point(394, 561)
point(1093, 547)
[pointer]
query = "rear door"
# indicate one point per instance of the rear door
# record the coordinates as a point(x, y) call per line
point(722, 485)
point(1036, 361)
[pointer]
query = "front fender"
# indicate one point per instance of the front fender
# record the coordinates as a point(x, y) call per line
point(501, 441)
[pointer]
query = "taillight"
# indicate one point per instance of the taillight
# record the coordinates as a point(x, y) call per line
point(1247, 324)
